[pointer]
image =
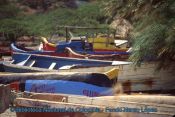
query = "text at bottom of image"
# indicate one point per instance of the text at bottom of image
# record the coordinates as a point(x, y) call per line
point(144, 109)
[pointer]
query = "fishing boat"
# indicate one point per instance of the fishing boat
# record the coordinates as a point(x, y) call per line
point(133, 79)
point(102, 39)
point(9, 70)
point(139, 79)
point(105, 43)
point(50, 62)
point(77, 45)
point(12, 68)
point(17, 48)
point(89, 83)
point(105, 79)
point(57, 105)
point(69, 53)
point(111, 57)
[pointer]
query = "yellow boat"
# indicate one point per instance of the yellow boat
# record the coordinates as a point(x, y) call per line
point(99, 44)
point(100, 41)
point(104, 43)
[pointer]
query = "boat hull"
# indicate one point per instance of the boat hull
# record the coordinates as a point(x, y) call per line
point(111, 57)
point(82, 47)
point(108, 44)
point(30, 51)
point(70, 53)
point(66, 87)
point(140, 79)
point(43, 61)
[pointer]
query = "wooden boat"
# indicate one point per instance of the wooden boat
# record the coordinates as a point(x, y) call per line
point(9, 71)
point(111, 57)
point(69, 53)
point(100, 79)
point(89, 84)
point(104, 43)
point(20, 49)
point(139, 79)
point(103, 40)
point(79, 46)
point(57, 105)
point(49, 62)
point(12, 68)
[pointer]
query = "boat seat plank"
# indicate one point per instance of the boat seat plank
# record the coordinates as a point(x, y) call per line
point(52, 65)
point(31, 63)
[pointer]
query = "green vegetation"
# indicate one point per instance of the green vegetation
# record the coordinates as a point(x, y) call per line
point(47, 23)
point(153, 34)
point(154, 28)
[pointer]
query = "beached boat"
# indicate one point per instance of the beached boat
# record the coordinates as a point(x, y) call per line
point(51, 81)
point(111, 57)
point(12, 68)
point(89, 84)
point(9, 70)
point(20, 49)
point(100, 79)
point(70, 53)
point(102, 40)
point(78, 45)
point(50, 62)
point(139, 79)
point(104, 43)
point(57, 105)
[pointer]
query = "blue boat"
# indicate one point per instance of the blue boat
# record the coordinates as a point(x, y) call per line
point(79, 46)
point(52, 62)
point(99, 79)
point(70, 53)
point(88, 84)
point(66, 87)
point(20, 49)
point(12, 68)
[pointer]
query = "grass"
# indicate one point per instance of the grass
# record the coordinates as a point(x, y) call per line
point(45, 24)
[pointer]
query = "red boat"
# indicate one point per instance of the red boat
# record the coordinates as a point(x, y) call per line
point(79, 45)
point(68, 52)
point(73, 54)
